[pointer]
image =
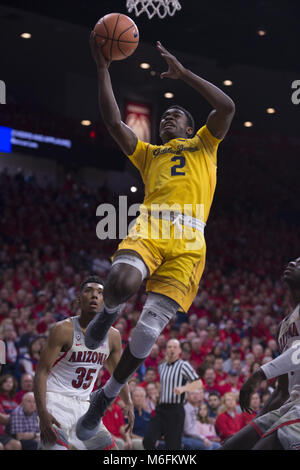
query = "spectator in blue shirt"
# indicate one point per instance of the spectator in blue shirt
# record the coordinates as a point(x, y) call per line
point(141, 416)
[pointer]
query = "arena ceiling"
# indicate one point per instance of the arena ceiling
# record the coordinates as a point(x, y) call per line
point(221, 30)
point(218, 40)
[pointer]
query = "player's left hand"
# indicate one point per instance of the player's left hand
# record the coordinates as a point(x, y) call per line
point(175, 69)
point(129, 414)
point(248, 388)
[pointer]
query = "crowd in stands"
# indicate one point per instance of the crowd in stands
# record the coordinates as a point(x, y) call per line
point(48, 245)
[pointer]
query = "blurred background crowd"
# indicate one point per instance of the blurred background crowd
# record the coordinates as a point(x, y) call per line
point(48, 248)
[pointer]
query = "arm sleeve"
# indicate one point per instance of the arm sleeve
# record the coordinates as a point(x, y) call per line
point(288, 361)
point(209, 142)
point(139, 156)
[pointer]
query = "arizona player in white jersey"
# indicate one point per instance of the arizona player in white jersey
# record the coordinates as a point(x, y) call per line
point(277, 426)
point(66, 374)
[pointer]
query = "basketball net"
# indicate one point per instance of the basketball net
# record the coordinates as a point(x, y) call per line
point(161, 8)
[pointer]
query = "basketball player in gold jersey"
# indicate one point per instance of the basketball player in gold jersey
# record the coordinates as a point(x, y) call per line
point(180, 178)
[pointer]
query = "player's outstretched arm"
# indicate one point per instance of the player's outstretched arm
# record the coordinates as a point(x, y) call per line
point(55, 342)
point(220, 118)
point(109, 109)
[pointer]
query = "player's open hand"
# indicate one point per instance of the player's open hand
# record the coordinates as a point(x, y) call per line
point(48, 434)
point(175, 69)
point(97, 53)
point(249, 387)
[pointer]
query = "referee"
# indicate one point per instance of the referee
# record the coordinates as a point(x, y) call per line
point(168, 420)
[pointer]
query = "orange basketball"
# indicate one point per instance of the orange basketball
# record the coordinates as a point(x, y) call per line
point(120, 33)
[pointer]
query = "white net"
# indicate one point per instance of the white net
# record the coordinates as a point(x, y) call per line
point(161, 8)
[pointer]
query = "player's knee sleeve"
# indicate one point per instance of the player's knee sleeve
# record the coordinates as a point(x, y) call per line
point(134, 261)
point(157, 312)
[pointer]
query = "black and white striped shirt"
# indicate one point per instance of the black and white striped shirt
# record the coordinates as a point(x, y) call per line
point(173, 375)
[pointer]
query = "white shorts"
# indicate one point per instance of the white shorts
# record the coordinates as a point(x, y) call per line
point(285, 420)
point(67, 410)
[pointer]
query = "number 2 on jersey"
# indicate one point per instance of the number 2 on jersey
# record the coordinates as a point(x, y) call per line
point(175, 168)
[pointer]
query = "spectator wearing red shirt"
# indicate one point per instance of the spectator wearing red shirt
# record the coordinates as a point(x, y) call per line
point(206, 342)
point(154, 358)
point(183, 331)
point(114, 421)
point(232, 384)
point(151, 375)
point(41, 306)
point(197, 356)
point(221, 375)
point(26, 385)
point(210, 383)
point(45, 322)
point(228, 422)
point(229, 332)
point(255, 405)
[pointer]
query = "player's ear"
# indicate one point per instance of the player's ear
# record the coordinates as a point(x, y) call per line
point(189, 131)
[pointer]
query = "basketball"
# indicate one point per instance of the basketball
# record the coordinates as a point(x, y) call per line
point(120, 33)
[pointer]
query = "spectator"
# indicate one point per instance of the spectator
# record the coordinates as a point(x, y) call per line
point(209, 382)
point(197, 354)
point(114, 421)
point(8, 388)
point(44, 323)
point(9, 337)
point(186, 351)
point(150, 376)
point(28, 336)
point(228, 421)
point(255, 405)
point(206, 429)
point(230, 332)
point(7, 442)
point(232, 384)
point(142, 417)
point(234, 354)
point(152, 396)
point(133, 382)
point(190, 438)
point(26, 385)
point(29, 360)
point(154, 358)
point(24, 424)
point(219, 371)
point(214, 403)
